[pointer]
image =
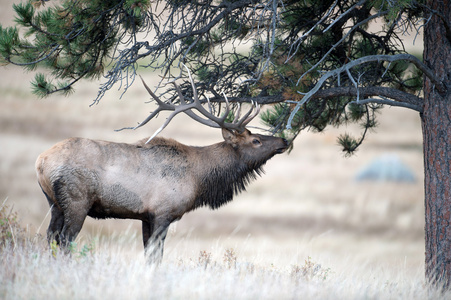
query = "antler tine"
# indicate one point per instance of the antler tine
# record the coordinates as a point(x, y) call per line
point(241, 122)
point(237, 114)
point(155, 97)
point(179, 92)
point(226, 113)
point(193, 86)
point(237, 124)
point(251, 117)
point(177, 110)
point(146, 120)
point(161, 106)
point(248, 117)
point(212, 120)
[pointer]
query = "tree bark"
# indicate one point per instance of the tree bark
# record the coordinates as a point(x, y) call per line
point(436, 125)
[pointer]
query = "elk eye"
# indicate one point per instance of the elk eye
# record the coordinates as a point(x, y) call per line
point(256, 142)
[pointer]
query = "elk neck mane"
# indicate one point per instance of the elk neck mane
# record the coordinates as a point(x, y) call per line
point(225, 177)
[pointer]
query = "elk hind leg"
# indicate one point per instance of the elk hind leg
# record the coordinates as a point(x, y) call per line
point(56, 222)
point(54, 231)
point(74, 207)
point(73, 222)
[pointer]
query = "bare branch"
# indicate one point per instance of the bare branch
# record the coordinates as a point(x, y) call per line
point(426, 71)
point(385, 102)
point(354, 83)
point(370, 58)
point(386, 92)
point(357, 5)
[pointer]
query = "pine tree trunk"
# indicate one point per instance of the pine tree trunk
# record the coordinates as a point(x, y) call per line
point(436, 123)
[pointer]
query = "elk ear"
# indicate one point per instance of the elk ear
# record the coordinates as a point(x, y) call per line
point(230, 137)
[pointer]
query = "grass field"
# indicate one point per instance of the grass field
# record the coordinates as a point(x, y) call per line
point(113, 266)
point(306, 229)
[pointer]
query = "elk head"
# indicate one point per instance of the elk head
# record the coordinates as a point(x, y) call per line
point(255, 149)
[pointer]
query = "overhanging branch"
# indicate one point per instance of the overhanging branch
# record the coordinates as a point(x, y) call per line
point(399, 98)
point(387, 102)
point(370, 58)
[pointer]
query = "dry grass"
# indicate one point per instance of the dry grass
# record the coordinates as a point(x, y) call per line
point(306, 211)
point(104, 269)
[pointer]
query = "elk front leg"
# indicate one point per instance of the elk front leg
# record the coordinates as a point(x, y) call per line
point(147, 229)
point(154, 234)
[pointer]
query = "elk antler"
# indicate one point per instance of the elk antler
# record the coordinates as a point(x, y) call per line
point(211, 119)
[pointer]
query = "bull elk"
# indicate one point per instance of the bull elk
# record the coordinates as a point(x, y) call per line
point(157, 180)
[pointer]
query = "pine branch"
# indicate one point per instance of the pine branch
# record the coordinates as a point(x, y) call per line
point(360, 61)
point(402, 98)
point(387, 102)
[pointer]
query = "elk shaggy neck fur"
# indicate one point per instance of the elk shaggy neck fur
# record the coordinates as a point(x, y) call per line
point(226, 179)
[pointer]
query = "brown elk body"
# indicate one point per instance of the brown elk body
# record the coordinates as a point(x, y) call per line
point(155, 182)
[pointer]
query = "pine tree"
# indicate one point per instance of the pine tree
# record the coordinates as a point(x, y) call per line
point(316, 63)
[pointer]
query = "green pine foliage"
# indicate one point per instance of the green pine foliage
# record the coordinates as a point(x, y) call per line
point(72, 39)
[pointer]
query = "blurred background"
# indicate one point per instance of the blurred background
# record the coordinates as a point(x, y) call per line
point(313, 202)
